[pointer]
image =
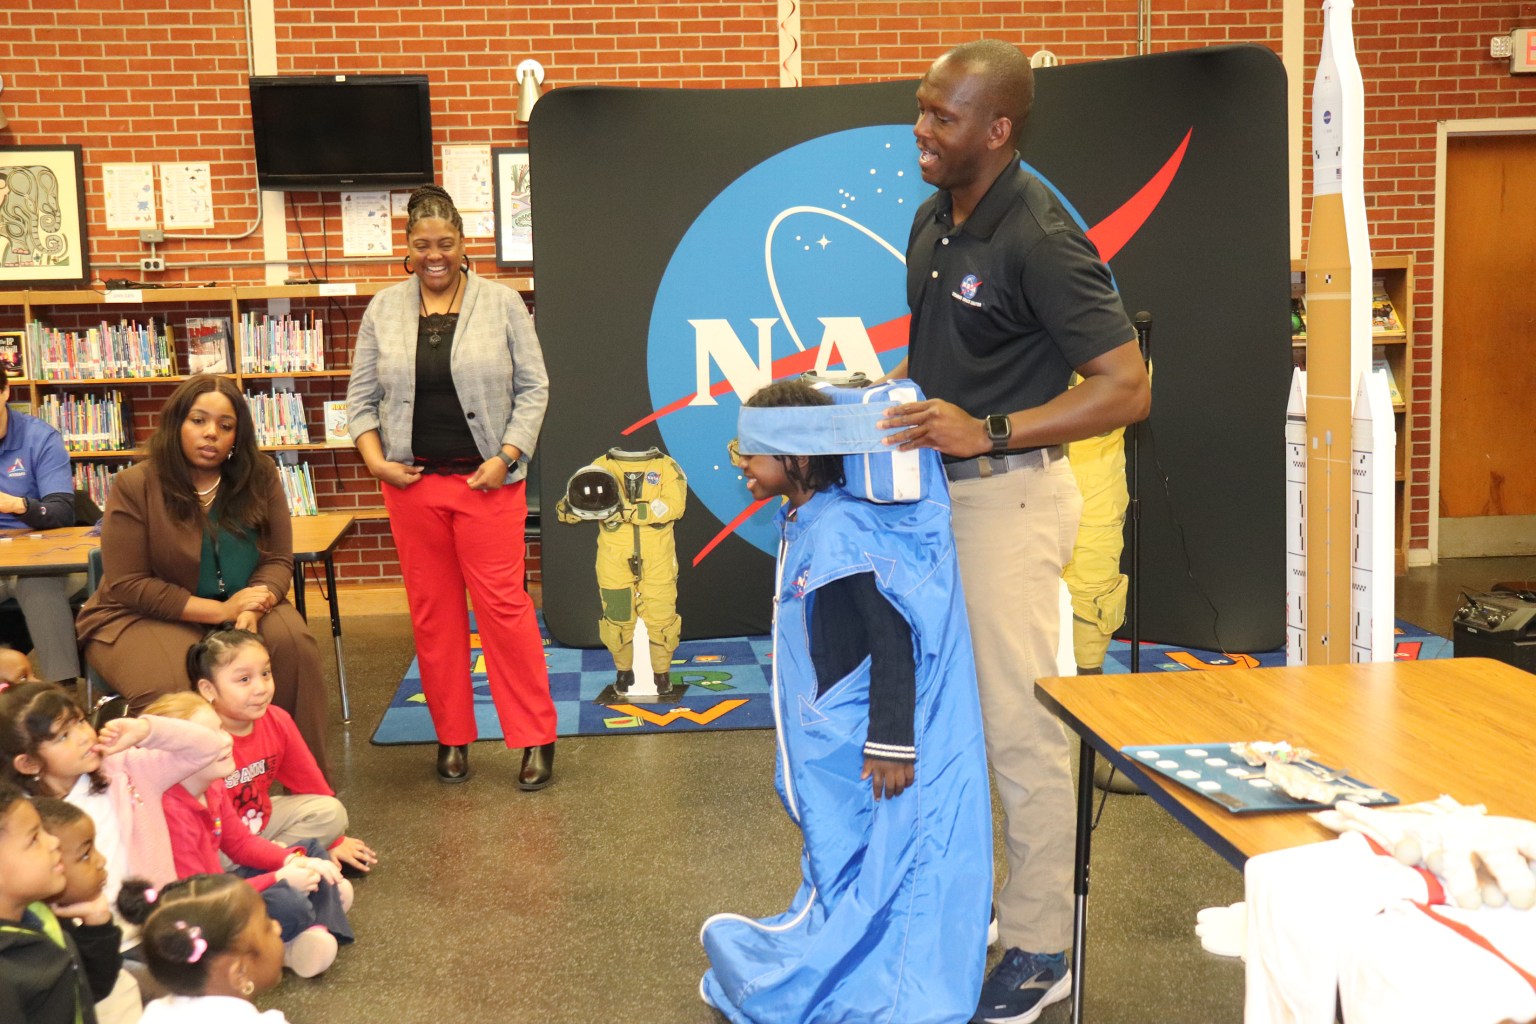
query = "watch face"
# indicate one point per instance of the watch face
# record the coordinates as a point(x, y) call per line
point(998, 428)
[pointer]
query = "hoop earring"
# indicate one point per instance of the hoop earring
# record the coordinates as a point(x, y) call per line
point(466, 266)
point(405, 261)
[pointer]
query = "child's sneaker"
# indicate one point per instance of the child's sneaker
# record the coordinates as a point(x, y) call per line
point(1021, 986)
point(310, 952)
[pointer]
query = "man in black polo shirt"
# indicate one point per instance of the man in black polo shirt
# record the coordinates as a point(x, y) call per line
point(1008, 297)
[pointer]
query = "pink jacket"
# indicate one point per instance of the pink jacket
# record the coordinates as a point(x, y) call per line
point(138, 777)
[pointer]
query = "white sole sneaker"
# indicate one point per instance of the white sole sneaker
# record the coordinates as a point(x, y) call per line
point(1055, 994)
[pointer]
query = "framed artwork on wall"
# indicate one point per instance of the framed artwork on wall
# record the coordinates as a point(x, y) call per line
point(514, 207)
point(42, 216)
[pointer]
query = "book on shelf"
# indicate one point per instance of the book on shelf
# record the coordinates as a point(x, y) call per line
point(13, 354)
point(1380, 363)
point(336, 432)
point(89, 423)
point(1384, 318)
point(208, 345)
point(107, 351)
point(299, 486)
point(95, 479)
point(279, 418)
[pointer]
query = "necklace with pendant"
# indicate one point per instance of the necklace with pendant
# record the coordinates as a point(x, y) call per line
point(437, 323)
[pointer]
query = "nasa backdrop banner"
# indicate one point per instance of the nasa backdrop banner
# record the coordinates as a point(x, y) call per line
point(693, 244)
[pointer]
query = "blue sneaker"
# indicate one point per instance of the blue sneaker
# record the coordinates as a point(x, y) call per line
point(1021, 986)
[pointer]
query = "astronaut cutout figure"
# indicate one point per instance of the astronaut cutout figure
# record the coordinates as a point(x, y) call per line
point(634, 497)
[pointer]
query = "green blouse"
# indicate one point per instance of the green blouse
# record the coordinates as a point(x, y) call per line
point(228, 558)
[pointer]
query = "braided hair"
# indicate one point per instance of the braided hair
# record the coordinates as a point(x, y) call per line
point(432, 201)
point(187, 924)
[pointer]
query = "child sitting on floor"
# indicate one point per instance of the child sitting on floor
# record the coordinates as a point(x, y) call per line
point(43, 970)
point(303, 890)
point(84, 912)
point(232, 669)
point(209, 941)
point(116, 776)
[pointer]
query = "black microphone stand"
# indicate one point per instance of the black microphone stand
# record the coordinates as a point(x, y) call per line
point(1144, 342)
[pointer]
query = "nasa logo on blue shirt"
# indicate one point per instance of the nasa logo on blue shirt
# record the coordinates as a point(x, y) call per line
point(653, 478)
point(18, 468)
point(969, 286)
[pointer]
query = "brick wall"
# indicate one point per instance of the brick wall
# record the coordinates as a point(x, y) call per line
point(164, 80)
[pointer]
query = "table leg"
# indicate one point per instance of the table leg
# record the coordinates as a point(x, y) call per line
point(1080, 875)
point(341, 660)
point(298, 589)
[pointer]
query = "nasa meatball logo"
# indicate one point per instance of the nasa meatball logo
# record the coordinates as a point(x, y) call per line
point(799, 264)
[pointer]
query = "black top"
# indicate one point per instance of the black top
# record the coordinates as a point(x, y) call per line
point(850, 621)
point(439, 432)
point(1008, 304)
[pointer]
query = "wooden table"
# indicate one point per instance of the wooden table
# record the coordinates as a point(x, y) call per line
point(1418, 729)
point(68, 549)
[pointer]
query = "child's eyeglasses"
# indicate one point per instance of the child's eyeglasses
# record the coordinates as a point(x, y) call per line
point(737, 459)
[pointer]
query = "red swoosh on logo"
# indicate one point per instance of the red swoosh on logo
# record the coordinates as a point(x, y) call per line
point(1108, 236)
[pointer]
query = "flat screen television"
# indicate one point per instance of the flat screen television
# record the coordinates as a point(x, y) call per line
point(341, 132)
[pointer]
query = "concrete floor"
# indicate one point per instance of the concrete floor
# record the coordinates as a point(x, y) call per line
point(583, 902)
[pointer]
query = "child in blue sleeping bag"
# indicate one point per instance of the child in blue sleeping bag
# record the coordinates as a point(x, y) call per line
point(881, 761)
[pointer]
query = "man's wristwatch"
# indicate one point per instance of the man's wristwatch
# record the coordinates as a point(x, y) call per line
point(509, 461)
point(999, 431)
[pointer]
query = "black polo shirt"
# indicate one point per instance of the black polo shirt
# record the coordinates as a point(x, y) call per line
point(1008, 304)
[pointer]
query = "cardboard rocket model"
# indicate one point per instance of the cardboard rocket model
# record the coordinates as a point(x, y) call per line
point(1339, 481)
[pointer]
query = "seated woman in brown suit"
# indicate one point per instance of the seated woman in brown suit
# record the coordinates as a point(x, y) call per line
point(194, 536)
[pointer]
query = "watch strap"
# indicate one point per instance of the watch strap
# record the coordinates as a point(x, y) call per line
point(509, 461)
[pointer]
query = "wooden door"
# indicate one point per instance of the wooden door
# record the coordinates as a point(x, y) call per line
point(1488, 358)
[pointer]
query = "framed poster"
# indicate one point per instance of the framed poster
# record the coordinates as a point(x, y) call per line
point(42, 216)
point(13, 354)
point(514, 207)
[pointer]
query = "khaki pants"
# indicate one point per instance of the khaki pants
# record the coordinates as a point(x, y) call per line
point(1014, 533)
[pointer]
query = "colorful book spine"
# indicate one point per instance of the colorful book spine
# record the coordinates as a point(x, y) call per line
point(281, 345)
point(89, 423)
point(279, 418)
point(299, 486)
point(104, 352)
point(95, 479)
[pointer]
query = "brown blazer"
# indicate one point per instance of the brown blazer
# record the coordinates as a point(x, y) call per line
point(150, 562)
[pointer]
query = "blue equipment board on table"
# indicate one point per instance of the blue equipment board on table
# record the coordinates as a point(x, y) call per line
point(1215, 772)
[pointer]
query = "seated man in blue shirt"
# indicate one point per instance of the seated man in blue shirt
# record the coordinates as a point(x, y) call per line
point(37, 492)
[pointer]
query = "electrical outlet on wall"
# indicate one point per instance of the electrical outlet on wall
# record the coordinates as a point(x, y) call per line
point(152, 264)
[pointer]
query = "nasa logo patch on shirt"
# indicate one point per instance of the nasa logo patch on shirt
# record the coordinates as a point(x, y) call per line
point(18, 468)
point(969, 286)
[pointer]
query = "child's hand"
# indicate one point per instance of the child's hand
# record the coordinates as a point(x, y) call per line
point(890, 778)
point(120, 734)
point(355, 852)
point(323, 868)
point(299, 875)
point(96, 911)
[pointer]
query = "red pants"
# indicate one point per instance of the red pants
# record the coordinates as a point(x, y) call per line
point(449, 538)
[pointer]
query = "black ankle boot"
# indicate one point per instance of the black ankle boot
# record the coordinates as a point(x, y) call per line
point(663, 683)
point(538, 767)
point(623, 681)
point(452, 762)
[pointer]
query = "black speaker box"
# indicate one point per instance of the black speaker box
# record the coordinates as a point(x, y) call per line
point(1499, 625)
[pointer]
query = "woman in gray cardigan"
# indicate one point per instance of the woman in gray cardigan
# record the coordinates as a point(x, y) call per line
point(445, 403)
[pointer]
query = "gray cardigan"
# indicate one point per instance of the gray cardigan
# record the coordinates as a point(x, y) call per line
point(497, 365)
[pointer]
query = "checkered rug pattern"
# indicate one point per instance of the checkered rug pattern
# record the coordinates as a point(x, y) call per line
point(724, 685)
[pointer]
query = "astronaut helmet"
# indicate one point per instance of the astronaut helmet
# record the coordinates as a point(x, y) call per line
point(593, 493)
